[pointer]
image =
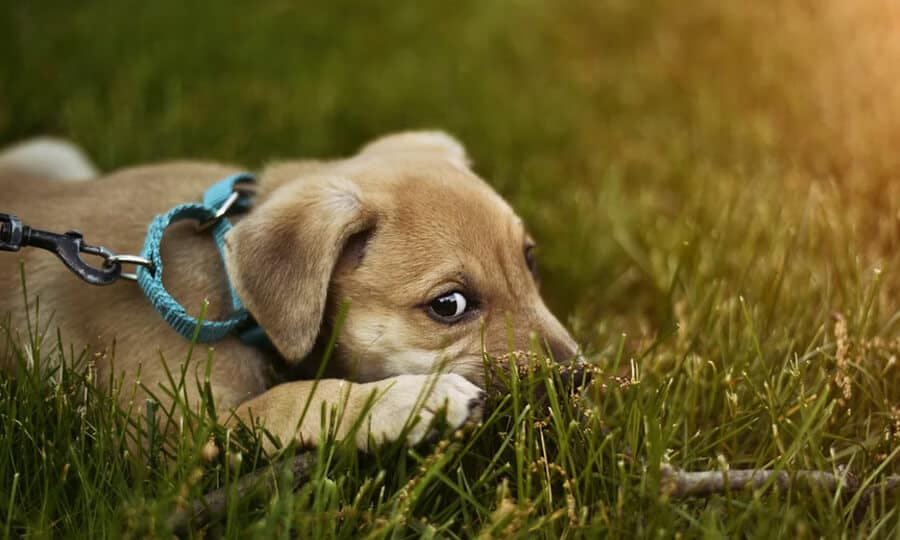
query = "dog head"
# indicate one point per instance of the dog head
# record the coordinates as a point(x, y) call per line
point(437, 267)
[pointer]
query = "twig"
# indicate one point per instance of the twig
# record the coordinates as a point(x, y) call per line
point(215, 502)
point(679, 484)
point(889, 485)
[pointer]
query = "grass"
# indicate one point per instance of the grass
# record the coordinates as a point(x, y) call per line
point(714, 193)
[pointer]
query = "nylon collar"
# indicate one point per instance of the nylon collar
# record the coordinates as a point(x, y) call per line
point(210, 214)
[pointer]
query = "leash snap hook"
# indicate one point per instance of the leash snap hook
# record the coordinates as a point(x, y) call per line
point(67, 246)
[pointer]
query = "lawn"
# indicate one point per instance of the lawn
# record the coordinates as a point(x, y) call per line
point(715, 193)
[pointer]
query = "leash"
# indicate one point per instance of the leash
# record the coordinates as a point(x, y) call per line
point(231, 193)
point(67, 246)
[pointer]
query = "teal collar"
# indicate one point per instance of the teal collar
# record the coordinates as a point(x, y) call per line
point(221, 197)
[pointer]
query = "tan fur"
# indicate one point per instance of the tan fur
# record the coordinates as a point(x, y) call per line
point(388, 229)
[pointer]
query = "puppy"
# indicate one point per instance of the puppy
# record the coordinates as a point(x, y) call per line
point(436, 267)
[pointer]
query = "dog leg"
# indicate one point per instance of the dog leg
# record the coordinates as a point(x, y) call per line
point(382, 409)
point(50, 158)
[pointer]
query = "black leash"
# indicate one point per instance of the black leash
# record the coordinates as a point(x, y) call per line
point(68, 246)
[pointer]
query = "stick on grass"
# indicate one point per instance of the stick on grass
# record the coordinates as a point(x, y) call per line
point(214, 503)
point(678, 484)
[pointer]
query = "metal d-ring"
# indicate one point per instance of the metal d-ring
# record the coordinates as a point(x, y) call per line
point(220, 213)
point(129, 259)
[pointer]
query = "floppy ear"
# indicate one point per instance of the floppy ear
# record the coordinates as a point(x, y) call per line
point(280, 257)
point(435, 142)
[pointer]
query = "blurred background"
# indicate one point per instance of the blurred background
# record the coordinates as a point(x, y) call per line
point(658, 150)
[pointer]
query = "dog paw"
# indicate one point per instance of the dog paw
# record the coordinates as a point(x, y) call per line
point(407, 405)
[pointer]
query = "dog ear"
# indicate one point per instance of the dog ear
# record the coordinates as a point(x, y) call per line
point(419, 142)
point(280, 258)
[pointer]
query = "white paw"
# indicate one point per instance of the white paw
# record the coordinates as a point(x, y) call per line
point(413, 401)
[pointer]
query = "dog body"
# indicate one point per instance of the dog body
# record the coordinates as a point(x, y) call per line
point(436, 267)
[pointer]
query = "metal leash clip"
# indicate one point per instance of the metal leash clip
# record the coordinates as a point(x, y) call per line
point(68, 247)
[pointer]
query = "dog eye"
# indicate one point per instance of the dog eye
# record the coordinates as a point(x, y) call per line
point(531, 261)
point(448, 307)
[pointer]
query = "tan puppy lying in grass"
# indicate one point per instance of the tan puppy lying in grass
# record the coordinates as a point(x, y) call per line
point(437, 267)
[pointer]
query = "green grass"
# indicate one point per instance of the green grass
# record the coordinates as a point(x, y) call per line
point(715, 203)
